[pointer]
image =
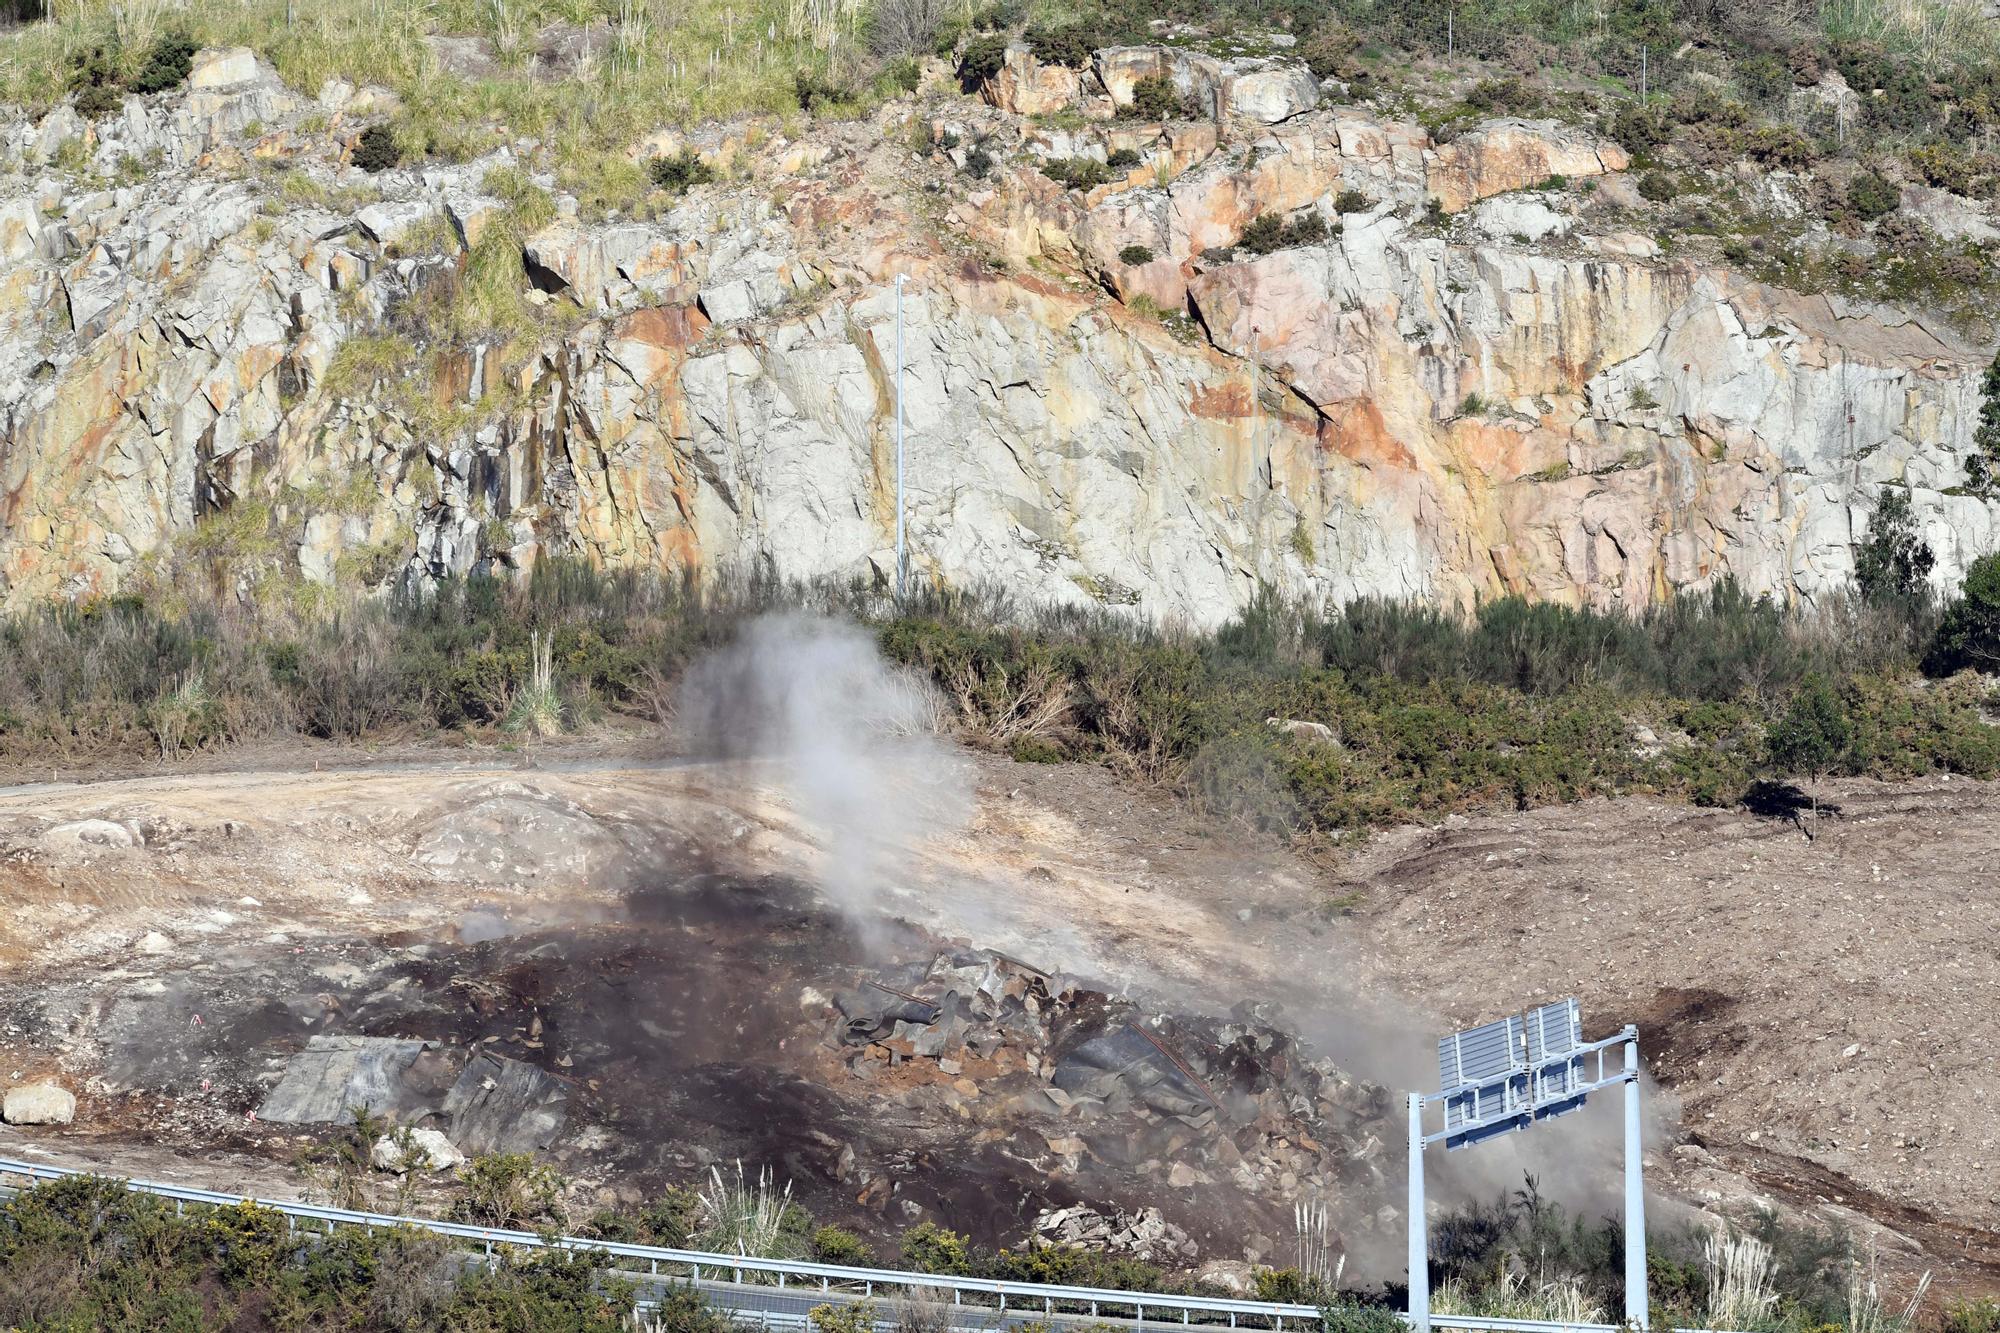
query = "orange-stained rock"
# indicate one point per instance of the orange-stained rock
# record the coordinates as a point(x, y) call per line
point(1024, 86)
point(1512, 155)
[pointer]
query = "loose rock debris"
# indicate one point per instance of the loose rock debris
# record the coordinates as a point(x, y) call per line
point(1186, 1101)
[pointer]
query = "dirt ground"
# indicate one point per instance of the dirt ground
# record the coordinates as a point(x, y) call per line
point(1822, 1015)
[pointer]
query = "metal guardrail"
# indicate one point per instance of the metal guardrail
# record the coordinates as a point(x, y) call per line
point(1011, 1301)
point(1022, 1298)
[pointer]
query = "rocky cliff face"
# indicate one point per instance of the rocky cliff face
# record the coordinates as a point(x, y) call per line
point(1472, 386)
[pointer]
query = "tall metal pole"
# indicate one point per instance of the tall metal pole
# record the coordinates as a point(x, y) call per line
point(1420, 1259)
point(1635, 1192)
point(902, 562)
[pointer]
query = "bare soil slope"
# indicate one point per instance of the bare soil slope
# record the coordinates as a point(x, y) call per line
point(1826, 1012)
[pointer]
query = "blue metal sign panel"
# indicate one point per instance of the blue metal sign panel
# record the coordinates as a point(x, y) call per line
point(1504, 1075)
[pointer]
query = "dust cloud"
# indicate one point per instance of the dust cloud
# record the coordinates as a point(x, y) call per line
point(852, 742)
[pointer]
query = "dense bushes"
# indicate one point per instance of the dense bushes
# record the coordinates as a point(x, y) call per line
point(83, 1253)
point(1518, 703)
point(1268, 233)
point(121, 677)
point(100, 76)
point(679, 172)
point(981, 60)
point(377, 149)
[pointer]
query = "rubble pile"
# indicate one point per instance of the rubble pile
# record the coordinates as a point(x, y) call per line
point(1091, 1089)
point(1145, 1234)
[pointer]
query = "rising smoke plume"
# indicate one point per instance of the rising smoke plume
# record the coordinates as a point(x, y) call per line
point(852, 741)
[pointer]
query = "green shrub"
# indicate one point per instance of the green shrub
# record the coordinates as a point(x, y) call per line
point(1813, 737)
point(1154, 97)
point(1895, 94)
point(903, 74)
point(1328, 48)
point(1659, 187)
point(846, 1317)
point(1076, 173)
point(1036, 750)
point(1946, 167)
point(377, 149)
point(1070, 45)
point(1982, 468)
point(1136, 254)
point(821, 92)
point(1872, 197)
point(981, 60)
point(978, 163)
point(1640, 130)
point(1764, 77)
point(1308, 228)
point(1290, 1286)
point(1969, 634)
point(1352, 201)
point(509, 1190)
point(1268, 233)
point(1123, 159)
point(683, 1309)
point(95, 82)
point(1780, 146)
point(166, 64)
point(1508, 96)
point(1263, 234)
point(1349, 1315)
point(1973, 1316)
point(676, 173)
point(929, 1248)
point(837, 1245)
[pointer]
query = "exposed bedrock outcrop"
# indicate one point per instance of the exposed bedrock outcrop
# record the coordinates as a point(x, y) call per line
point(1517, 397)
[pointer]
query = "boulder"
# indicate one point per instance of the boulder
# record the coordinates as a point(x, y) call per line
point(20, 230)
point(394, 221)
point(729, 303)
point(225, 68)
point(1271, 91)
point(89, 833)
point(1505, 155)
point(1311, 731)
point(39, 1104)
point(1234, 1276)
point(470, 214)
point(428, 1150)
point(1527, 215)
point(1025, 86)
point(1118, 68)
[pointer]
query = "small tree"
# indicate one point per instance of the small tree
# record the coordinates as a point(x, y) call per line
point(1969, 635)
point(1893, 564)
point(1981, 468)
point(1811, 737)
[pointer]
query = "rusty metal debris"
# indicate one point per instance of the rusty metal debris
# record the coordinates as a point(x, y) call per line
point(936, 1010)
point(1181, 1065)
